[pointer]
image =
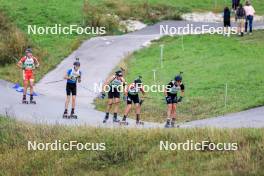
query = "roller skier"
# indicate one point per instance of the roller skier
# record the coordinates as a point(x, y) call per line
point(171, 94)
point(72, 76)
point(28, 64)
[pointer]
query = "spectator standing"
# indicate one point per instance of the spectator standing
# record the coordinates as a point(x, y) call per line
point(240, 19)
point(250, 12)
point(227, 24)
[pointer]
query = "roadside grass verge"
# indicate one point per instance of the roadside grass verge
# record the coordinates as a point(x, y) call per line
point(209, 62)
point(128, 151)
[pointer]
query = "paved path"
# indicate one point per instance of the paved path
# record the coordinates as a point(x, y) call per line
point(98, 57)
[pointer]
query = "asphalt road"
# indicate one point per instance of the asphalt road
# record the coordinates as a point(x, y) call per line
point(99, 56)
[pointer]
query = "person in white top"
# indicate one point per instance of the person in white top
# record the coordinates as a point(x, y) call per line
point(250, 12)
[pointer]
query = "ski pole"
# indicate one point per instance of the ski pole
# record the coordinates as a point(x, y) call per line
point(51, 82)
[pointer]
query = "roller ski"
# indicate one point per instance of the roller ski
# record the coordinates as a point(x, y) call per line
point(167, 124)
point(31, 101)
point(65, 114)
point(174, 125)
point(106, 117)
point(139, 122)
point(115, 119)
point(123, 122)
point(24, 100)
point(73, 116)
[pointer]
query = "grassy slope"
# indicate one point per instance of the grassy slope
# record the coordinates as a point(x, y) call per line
point(208, 62)
point(205, 5)
point(54, 48)
point(129, 152)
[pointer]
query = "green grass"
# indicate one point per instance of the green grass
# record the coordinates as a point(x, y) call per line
point(52, 49)
point(208, 63)
point(128, 151)
point(205, 5)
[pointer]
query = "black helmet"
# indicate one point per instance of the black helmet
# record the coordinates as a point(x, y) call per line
point(137, 81)
point(77, 63)
point(28, 50)
point(178, 78)
point(119, 73)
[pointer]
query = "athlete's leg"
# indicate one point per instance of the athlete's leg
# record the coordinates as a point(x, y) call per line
point(25, 87)
point(67, 101)
point(31, 84)
point(73, 103)
point(116, 104)
point(138, 108)
point(108, 108)
point(109, 105)
point(127, 110)
point(173, 114)
point(169, 110)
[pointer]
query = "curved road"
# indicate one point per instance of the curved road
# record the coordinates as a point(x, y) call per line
point(99, 56)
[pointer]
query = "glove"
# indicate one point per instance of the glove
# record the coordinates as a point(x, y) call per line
point(141, 102)
point(168, 98)
point(180, 99)
point(102, 95)
point(124, 97)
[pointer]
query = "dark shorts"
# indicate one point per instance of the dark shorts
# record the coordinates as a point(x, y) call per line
point(132, 99)
point(71, 89)
point(171, 99)
point(113, 94)
point(227, 24)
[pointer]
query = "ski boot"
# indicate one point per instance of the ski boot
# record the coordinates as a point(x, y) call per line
point(106, 117)
point(115, 120)
point(124, 122)
point(24, 100)
point(31, 101)
point(73, 116)
point(138, 122)
point(167, 125)
point(173, 124)
point(65, 114)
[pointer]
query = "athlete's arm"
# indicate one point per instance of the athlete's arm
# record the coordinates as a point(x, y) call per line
point(182, 90)
point(126, 89)
point(111, 78)
point(36, 62)
point(20, 62)
point(166, 89)
point(67, 75)
point(79, 78)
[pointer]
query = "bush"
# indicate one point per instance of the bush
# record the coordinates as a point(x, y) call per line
point(12, 42)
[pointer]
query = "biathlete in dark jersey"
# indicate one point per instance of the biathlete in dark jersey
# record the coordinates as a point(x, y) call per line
point(115, 86)
point(132, 94)
point(172, 99)
point(72, 76)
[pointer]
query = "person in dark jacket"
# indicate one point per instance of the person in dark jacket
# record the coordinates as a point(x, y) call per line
point(227, 23)
point(240, 19)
